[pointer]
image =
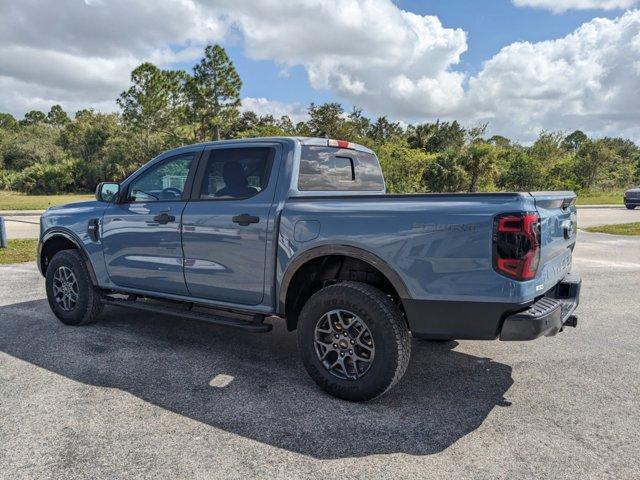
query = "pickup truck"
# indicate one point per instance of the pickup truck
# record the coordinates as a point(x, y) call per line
point(300, 230)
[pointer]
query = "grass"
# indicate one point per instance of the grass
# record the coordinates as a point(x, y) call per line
point(622, 229)
point(601, 198)
point(20, 201)
point(19, 250)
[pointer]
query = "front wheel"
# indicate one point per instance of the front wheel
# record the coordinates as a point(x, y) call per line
point(630, 207)
point(354, 341)
point(71, 294)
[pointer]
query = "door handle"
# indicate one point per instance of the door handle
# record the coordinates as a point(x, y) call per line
point(164, 218)
point(245, 219)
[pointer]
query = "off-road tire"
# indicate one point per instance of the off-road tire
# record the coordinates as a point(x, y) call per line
point(388, 329)
point(88, 306)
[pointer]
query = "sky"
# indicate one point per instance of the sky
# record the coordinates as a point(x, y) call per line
point(521, 66)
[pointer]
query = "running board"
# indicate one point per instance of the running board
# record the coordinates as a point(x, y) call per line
point(250, 323)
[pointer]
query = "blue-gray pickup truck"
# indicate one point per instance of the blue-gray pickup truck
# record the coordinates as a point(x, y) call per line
point(301, 229)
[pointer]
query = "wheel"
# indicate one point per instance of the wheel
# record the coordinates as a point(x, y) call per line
point(630, 207)
point(354, 341)
point(72, 297)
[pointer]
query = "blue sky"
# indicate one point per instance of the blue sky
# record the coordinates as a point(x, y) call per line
point(476, 61)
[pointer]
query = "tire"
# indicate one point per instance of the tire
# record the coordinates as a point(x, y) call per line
point(375, 329)
point(65, 266)
point(630, 207)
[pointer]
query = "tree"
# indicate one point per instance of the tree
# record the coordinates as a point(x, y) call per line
point(521, 171)
point(404, 168)
point(33, 117)
point(478, 161)
point(500, 141)
point(214, 92)
point(445, 174)
point(326, 120)
point(591, 160)
point(573, 141)
point(438, 137)
point(57, 117)
point(357, 125)
point(384, 131)
point(8, 122)
point(155, 104)
point(547, 147)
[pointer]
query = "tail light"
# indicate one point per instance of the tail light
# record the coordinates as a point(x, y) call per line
point(516, 245)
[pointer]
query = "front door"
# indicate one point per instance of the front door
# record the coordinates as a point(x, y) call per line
point(141, 235)
point(225, 224)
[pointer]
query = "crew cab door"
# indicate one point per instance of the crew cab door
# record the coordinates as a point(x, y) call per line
point(225, 223)
point(141, 235)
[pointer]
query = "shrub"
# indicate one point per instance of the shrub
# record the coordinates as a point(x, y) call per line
point(44, 178)
point(404, 168)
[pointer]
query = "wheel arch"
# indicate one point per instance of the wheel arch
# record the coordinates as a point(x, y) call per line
point(292, 295)
point(56, 240)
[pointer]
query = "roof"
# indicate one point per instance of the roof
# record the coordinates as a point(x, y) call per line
point(313, 141)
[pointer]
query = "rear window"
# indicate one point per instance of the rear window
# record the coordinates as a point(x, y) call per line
point(326, 168)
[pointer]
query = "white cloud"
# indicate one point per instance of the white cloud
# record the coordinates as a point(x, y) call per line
point(560, 6)
point(263, 106)
point(81, 53)
point(588, 79)
point(369, 53)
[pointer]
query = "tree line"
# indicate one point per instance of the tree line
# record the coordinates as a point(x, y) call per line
point(54, 153)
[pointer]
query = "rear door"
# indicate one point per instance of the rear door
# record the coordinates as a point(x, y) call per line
point(225, 223)
point(558, 227)
point(141, 235)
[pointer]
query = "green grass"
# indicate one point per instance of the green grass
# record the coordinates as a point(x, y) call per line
point(20, 201)
point(601, 198)
point(622, 229)
point(19, 250)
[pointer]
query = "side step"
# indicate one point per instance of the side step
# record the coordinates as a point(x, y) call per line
point(253, 324)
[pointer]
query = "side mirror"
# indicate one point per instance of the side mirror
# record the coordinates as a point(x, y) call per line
point(107, 191)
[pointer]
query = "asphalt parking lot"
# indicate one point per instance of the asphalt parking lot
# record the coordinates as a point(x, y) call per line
point(147, 396)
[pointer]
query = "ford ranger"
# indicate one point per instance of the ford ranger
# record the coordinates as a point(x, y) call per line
point(300, 229)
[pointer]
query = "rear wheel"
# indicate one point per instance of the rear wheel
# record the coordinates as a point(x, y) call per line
point(71, 294)
point(630, 207)
point(354, 341)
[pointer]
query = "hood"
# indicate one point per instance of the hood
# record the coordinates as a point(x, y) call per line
point(75, 206)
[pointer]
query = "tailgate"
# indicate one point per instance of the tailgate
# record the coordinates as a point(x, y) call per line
point(558, 227)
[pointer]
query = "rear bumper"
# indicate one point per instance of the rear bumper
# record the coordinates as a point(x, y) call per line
point(547, 316)
point(448, 320)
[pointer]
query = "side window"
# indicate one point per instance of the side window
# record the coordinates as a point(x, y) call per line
point(236, 172)
point(163, 182)
point(331, 169)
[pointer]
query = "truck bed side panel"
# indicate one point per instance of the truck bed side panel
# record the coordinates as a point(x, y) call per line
point(439, 245)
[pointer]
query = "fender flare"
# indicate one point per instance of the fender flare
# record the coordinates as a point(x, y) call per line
point(347, 251)
point(73, 238)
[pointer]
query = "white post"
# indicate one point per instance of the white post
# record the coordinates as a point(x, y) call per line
point(3, 234)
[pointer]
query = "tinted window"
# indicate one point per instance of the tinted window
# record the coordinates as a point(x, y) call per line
point(236, 172)
point(164, 181)
point(326, 168)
